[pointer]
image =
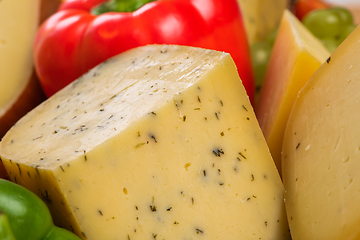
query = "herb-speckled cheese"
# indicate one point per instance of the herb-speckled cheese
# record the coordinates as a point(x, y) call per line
point(160, 142)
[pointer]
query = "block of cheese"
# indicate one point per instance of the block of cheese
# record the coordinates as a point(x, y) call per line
point(20, 90)
point(296, 55)
point(159, 142)
point(321, 170)
point(261, 17)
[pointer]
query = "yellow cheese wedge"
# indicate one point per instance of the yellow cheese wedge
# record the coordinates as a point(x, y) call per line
point(160, 142)
point(321, 170)
point(261, 17)
point(296, 55)
point(18, 25)
point(19, 21)
point(20, 90)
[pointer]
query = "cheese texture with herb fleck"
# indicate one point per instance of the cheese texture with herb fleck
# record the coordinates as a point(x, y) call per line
point(321, 170)
point(160, 142)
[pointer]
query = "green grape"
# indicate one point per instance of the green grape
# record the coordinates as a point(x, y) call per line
point(323, 23)
point(345, 31)
point(260, 54)
point(344, 15)
point(270, 38)
point(330, 44)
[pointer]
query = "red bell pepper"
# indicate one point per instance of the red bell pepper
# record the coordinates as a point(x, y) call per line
point(77, 37)
point(303, 7)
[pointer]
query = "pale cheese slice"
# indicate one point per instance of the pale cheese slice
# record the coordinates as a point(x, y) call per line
point(160, 142)
point(20, 90)
point(18, 24)
point(261, 17)
point(320, 164)
point(296, 55)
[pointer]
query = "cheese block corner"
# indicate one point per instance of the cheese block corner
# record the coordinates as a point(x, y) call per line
point(159, 142)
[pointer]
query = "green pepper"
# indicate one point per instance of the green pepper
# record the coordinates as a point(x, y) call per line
point(23, 215)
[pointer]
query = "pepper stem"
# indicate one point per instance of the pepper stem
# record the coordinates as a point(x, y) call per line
point(119, 6)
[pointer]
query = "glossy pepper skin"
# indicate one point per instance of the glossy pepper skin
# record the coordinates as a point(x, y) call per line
point(23, 215)
point(74, 40)
point(303, 7)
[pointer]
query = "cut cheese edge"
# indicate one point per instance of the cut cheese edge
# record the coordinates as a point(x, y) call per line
point(261, 17)
point(320, 164)
point(159, 142)
point(296, 55)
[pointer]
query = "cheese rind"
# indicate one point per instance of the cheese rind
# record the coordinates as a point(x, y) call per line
point(159, 142)
point(296, 55)
point(321, 150)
